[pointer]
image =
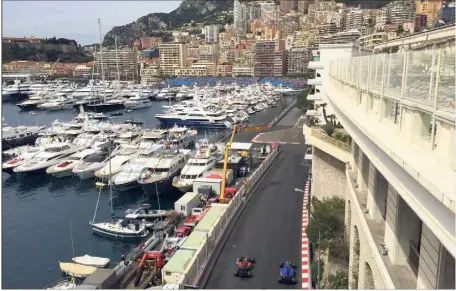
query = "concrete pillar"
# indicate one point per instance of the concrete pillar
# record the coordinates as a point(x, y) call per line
point(436, 266)
point(445, 141)
point(391, 225)
point(414, 123)
point(377, 190)
point(354, 157)
point(363, 170)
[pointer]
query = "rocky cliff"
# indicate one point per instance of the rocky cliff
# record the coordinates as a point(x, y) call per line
point(155, 24)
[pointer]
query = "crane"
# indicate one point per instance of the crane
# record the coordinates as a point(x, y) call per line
point(225, 164)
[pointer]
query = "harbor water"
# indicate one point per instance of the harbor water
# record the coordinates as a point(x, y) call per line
point(36, 211)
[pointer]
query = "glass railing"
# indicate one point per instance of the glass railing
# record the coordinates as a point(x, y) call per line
point(424, 76)
point(316, 58)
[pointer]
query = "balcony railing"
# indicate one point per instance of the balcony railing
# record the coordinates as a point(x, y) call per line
point(425, 77)
point(337, 143)
point(316, 58)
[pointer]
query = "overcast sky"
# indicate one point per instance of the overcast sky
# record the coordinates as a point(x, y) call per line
point(74, 19)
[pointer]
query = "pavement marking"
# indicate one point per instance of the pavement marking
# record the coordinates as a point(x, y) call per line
point(304, 240)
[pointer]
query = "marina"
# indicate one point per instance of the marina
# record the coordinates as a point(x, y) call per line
point(51, 203)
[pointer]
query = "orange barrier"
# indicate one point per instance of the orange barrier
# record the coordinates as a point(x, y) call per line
point(253, 128)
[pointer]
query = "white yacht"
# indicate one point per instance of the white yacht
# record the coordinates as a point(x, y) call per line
point(181, 137)
point(197, 166)
point(20, 135)
point(23, 158)
point(51, 154)
point(128, 176)
point(87, 168)
point(114, 166)
point(157, 174)
point(154, 136)
point(65, 168)
point(34, 101)
point(198, 118)
point(137, 102)
point(121, 228)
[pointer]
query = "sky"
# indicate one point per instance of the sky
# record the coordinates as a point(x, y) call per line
point(74, 19)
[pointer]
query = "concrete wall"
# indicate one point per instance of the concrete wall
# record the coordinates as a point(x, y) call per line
point(328, 175)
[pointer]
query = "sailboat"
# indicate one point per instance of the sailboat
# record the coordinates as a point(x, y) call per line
point(118, 228)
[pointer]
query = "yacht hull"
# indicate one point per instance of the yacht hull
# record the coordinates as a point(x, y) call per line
point(62, 174)
point(26, 140)
point(104, 232)
point(86, 174)
point(105, 107)
point(137, 106)
point(126, 186)
point(8, 170)
point(29, 106)
point(163, 187)
point(168, 122)
point(16, 97)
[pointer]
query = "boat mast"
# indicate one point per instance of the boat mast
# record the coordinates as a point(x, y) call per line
point(117, 60)
point(110, 180)
point(101, 51)
point(72, 241)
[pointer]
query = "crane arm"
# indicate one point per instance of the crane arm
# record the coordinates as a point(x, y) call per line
point(225, 164)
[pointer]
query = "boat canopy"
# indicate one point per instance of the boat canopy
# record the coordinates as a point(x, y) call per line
point(77, 270)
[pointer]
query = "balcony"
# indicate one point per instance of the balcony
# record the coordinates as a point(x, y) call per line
point(315, 81)
point(317, 137)
point(315, 96)
point(315, 65)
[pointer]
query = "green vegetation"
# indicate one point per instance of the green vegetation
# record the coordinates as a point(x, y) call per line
point(54, 40)
point(302, 102)
point(339, 280)
point(314, 271)
point(14, 52)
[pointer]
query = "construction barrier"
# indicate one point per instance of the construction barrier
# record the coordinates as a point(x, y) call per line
point(204, 254)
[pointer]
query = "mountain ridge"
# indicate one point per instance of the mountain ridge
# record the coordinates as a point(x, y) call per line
point(152, 23)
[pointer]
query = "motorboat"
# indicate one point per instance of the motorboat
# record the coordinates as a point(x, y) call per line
point(94, 162)
point(65, 168)
point(67, 283)
point(137, 102)
point(51, 154)
point(16, 92)
point(145, 211)
point(197, 118)
point(77, 270)
point(128, 176)
point(20, 135)
point(24, 157)
point(121, 228)
point(114, 166)
point(154, 136)
point(159, 171)
point(181, 137)
point(34, 101)
point(87, 260)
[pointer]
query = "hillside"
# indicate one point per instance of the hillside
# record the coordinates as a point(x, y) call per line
point(48, 50)
point(155, 23)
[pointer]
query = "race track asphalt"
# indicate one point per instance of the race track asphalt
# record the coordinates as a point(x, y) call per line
point(269, 228)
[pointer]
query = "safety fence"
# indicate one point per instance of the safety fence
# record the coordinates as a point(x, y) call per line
point(206, 250)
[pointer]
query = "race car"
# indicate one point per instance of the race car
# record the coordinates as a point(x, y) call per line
point(245, 267)
point(287, 273)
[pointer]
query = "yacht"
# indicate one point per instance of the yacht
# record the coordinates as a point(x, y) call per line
point(121, 228)
point(51, 154)
point(181, 137)
point(20, 135)
point(65, 168)
point(195, 118)
point(137, 102)
point(23, 158)
point(114, 166)
point(197, 166)
point(128, 176)
point(159, 171)
point(34, 101)
point(154, 136)
point(57, 104)
point(16, 92)
point(94, 162)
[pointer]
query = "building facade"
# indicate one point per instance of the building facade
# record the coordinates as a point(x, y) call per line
point(211, 33)
point(172, 56)
point(269, 58)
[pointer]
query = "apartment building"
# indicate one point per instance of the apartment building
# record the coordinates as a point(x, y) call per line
point(428, 8)
point(401, 11)
point(126, 61)
point(298, 60)
point(150, 75)
point(269, 58)
point(224, 69)
point(354, 19)
point(369, 41)
point(240, 70)
point(349, 36)
point(211, 33)
point(194, 70)
point(172, 56)
point(286, 6)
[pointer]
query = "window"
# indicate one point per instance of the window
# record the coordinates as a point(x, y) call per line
point(183, 207)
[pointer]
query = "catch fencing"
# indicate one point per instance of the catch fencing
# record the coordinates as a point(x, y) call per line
point(234, 207)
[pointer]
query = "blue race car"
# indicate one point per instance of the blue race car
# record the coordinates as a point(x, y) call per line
point(287, 273)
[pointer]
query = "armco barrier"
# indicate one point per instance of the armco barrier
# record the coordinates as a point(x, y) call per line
point(282, 114)
point(234, 207)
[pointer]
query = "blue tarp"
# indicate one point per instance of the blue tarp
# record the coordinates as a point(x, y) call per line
point(203, 81)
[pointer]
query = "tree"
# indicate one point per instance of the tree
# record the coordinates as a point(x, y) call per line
point(339, 280)
point(302, 100)
point(329, 128)
point(400, 29)
point(323, 105)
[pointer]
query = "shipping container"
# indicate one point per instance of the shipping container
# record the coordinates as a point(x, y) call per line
point(211, 221)
point(186, 203)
